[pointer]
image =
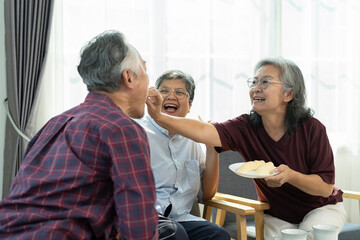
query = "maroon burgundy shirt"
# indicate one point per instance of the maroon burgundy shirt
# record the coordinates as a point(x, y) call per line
point(307, 151)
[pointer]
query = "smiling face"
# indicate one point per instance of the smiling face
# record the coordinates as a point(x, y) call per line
point(271, 100)
point(172, 105)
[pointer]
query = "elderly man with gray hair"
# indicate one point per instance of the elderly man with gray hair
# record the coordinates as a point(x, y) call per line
point(87, 171)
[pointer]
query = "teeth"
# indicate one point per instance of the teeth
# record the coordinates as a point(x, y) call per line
point(170, 105)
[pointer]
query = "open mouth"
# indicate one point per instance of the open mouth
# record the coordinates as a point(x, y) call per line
point(258, 99)
point(170, 108)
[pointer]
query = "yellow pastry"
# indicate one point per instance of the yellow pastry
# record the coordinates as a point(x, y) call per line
point(251, 166)
point(265, 169)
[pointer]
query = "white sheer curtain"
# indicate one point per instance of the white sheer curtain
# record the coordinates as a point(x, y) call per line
point(323, 37)
point(218, 42)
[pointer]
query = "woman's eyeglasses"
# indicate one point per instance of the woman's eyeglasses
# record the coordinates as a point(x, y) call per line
point(263, 82)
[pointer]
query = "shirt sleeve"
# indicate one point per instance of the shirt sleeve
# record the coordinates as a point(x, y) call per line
point(134, 187)
point(321, 155)
point(202, 159)
point(232, 132)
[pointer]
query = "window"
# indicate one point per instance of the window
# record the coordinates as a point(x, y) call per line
point(218, 42)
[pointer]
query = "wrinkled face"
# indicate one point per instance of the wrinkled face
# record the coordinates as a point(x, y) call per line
point(272, 99)
point(175, 97)
point(142, 84)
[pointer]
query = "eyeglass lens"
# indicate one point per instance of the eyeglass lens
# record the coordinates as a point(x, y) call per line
point(263, 83)
point(179, 93)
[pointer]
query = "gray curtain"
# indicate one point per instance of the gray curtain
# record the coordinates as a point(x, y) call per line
point(27, 27)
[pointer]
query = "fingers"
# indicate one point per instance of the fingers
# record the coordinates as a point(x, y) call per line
point(280, 168)
point(152, 92)
point(279, 179)
point(273, 181)
point(153, 97)
point(154, 103)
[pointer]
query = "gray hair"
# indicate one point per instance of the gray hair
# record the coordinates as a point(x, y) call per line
point(292, 79)
point(104, 59)
point(184, 77)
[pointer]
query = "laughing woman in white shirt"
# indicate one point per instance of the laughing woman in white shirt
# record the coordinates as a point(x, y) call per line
point(182, 171)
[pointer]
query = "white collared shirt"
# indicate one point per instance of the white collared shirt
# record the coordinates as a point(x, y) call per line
point(177, 164)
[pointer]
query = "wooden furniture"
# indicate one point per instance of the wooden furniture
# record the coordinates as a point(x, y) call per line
point(350, 231)
point(232, 190)
point(258, 206)
point(352, 195)
point(241, 211)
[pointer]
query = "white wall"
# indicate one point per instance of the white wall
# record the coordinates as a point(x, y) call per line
point(2, 92)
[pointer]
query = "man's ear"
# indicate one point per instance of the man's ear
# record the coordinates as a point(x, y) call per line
point(289, 95)
point(128, 78)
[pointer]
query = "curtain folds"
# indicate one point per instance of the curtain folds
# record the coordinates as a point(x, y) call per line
point(27, 27)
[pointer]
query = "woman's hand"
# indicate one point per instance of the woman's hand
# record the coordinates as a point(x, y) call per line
point(283, 176)
point(154, 103)
point(311, 184)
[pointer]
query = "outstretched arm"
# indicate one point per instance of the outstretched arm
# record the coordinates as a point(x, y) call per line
point(190, 128)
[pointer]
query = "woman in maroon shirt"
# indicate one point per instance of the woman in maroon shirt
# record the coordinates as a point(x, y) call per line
point(281, 129)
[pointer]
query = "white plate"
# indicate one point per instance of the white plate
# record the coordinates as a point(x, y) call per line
point(235, 166)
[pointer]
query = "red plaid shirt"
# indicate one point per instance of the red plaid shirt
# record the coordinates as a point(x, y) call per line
point(85, 171)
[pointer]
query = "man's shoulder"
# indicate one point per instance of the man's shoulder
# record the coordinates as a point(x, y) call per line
point(103, 117)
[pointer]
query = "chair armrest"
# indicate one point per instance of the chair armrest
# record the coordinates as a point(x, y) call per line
point(230, 207)
point(257, 205)
point(223, 206)
point(351, 194)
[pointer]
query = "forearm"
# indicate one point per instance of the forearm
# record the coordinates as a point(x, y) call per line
point(196, 130)
point(210, 178)
point(193, 129)
point(311, 184)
